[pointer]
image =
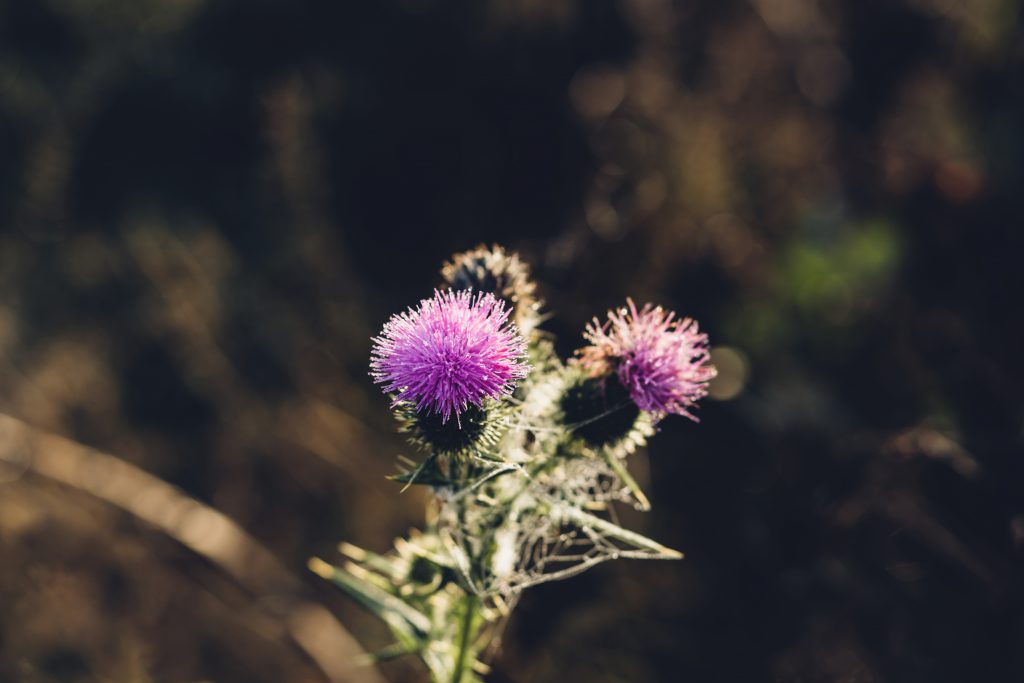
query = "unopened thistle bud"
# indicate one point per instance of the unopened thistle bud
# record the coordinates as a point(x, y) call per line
point(453, 351)
point(501, 273)
point(661, 360)
point(598, 410)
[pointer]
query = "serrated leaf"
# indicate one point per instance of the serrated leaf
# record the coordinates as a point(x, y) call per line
point(388, 653)
point(389, 567)
point(583, 519)
point(426, 473)
point(409, 624)
point(620, 470)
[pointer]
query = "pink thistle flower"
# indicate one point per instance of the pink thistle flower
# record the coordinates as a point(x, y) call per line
point(453, 350)
point(660, 359)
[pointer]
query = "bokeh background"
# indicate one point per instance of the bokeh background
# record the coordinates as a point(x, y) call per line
point(208, 208)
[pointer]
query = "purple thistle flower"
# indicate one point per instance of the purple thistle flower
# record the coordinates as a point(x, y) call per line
point(454, 349)
point(660, 359)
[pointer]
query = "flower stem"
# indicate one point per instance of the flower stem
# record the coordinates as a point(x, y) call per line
point(465, 638)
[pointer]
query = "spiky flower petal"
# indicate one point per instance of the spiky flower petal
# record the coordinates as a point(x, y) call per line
point(659, 358)
point(453, 350)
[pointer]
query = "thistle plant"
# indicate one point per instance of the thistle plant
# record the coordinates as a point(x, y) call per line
point(524, 455)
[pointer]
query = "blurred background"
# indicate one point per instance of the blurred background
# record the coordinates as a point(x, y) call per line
point(208, 208)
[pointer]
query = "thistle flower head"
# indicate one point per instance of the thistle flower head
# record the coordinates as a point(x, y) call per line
point(659, 358)
point(453, 350)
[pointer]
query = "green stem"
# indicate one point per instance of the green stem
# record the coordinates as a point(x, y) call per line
point(620, 469)
point(471, 601)
point(465, 638)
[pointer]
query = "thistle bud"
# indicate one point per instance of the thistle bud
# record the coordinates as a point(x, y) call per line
point(598, 410)
point(496, 271)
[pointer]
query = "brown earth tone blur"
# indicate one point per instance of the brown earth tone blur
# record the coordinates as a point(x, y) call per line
point(208, 208)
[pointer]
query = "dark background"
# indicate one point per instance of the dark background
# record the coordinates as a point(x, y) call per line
point(209, 207)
